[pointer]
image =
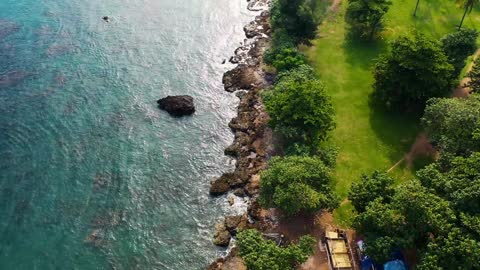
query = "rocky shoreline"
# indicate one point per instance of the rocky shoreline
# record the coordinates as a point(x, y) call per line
point(252, 141)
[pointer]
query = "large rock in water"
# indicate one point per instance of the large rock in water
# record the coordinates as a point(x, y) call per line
point(177, 105)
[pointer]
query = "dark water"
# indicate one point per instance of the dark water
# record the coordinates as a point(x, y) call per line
point(92, 174)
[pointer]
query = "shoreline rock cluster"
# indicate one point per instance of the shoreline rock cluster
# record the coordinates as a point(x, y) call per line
point(252, 141)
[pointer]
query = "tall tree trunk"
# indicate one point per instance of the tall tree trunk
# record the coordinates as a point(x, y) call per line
point(463, 18)
point(416, 7)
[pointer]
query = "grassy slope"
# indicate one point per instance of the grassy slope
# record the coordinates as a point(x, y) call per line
point(369, 139)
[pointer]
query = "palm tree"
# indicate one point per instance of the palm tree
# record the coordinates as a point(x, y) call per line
point(416, 7)
point(468, 4)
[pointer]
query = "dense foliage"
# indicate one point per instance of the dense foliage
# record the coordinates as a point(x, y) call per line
point(296, 17)
point(284, 58)
point(297, 184)
point(454, 124)
point(378, 185)
point(261, 254)
point(474, 77)
point(438, 215)
point(299, 107)
point(413, 71)
point(458, 46)
point(365, 17)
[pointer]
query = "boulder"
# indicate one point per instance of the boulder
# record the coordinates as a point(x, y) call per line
point(233, 150)
point(252, 30)
point(239, 192)
point(231, 222)
point(177, 105)
point(253, 185)
point(255, 210)
point(231, 201)
point(221, 236)
point(219, 186)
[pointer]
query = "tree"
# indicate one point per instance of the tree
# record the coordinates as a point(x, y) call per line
point(416, 7)
point(468, 5)
point(426, 212)
point(261, 254)
point(297, 17)
point(457, 182)
point(458, 46)
point(365, 16)
point(474, 76)
point(383, 228)
point(439, 215)
point(299, 106)
point(456, 250)
point(413, 215)
point(413, 71)
point(453, 124)
point(378, 185)
point(297, 184)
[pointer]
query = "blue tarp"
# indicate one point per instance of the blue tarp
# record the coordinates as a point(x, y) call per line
point(395, 265)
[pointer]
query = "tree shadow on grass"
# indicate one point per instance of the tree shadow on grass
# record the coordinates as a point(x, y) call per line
point(396, 130)
point(362, 53)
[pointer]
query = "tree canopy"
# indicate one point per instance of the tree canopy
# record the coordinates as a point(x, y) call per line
point(413, 71)
point(453, 124)
point(297, 17)
point(297, 184)
point(299, 106)
point(438, 214)
point(458, 46)
point(474, 76)
point(261, 254)
point(365, 17)
point(378, 185)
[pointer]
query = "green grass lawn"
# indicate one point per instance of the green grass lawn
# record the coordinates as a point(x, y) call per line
point(369, 139)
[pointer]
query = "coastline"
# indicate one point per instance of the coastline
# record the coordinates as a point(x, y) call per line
point(252, 145)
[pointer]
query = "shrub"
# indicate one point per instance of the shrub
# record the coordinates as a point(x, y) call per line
point(284, 58)
point(297, 184)
point(299, 107)
point(261, 254)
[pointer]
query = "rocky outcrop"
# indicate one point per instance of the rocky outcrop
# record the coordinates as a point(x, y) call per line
point(251, 145)
point(177, 105)
point(242, 77)
point(259, 27)
point(231, 262)
point(221, 236)
point(228, 228)
point(223, 184)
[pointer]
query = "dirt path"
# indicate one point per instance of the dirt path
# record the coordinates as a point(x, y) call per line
point(463, 90)
point(333, 8)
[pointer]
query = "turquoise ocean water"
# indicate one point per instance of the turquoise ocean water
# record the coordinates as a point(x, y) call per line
point(92, 174)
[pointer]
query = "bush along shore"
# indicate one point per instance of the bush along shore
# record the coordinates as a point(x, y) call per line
point(281, 98)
